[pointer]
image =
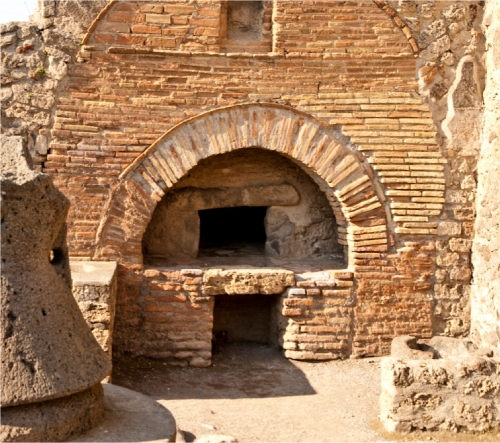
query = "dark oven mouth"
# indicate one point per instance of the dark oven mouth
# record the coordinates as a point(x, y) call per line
point(234, 231)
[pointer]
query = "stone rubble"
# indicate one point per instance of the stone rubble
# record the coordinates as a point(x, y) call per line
point(457, 389)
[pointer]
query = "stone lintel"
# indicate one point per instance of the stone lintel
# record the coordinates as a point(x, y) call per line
point(247, 281)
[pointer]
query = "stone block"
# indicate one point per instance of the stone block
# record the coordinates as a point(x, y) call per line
point(295, 292)
point(94, 289)
point(247, 281)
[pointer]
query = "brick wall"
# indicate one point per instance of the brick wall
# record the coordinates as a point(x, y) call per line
point(150, 93)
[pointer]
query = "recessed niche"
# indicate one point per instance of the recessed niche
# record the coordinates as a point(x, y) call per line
point(244, 20)
point(246, 26)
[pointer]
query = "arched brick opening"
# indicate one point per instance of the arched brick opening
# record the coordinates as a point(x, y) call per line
point(318, 148)
point(154, 301)
point(352, 312)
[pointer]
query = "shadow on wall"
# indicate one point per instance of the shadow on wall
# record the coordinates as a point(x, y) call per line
point(239, 370)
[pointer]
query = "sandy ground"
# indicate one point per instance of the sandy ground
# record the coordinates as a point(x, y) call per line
point(253, 393)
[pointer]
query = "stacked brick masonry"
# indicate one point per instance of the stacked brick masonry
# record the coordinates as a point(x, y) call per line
point(329, 86)
point(177, 318)
point(321, 317)
point(449, 69)
point(393, 294)
point(285, 131)
point(345, 64)
point(354, 198)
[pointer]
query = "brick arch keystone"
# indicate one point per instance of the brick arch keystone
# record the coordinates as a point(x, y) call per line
point(317, 147)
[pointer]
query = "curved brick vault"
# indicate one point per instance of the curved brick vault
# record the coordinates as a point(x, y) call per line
point(319, 148)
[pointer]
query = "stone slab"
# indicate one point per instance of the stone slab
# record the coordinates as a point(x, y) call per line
point(131, 416)
point(53, 420)
point(247, 281)
point(92, 273)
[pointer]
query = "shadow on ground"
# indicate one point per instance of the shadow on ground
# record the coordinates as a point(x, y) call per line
point(239, 370)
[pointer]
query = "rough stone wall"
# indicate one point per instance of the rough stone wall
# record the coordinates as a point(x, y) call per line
point(94, 289)
point(452, 386)
point(35, 56)
point(71, 17)
point(32, 72)
point(450, 72)
point(485, 295)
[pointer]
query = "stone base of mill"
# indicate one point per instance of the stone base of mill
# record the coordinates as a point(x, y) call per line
point(54, 420)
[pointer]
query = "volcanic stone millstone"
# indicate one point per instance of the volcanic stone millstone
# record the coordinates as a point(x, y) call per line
point(48, 350)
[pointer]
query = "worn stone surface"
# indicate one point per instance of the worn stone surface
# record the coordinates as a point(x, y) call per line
point(215, 438)
point(485, 313)
point(407, 347)
point(458, 392)
point(94, 289)
point(40, 319)
point(54, 420)
point(131, 416)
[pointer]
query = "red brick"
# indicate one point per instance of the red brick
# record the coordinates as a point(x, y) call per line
point(146, 29)
point(162, 42)
point(125, 17)
point(104, 38)
point(122, 39)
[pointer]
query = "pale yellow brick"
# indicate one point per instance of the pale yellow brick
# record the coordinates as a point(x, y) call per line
point(428, 200)
point(99, 103)
point(408, 218)
point(158, 18)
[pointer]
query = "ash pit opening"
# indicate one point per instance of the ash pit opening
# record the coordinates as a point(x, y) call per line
point(245, 319)
point(239, 229)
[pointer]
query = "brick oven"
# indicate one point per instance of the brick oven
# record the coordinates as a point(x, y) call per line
point(261, 168)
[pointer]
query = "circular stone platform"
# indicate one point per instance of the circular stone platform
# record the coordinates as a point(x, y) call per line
point(131, 416)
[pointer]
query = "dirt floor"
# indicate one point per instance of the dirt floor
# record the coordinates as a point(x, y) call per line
point(254, 394)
